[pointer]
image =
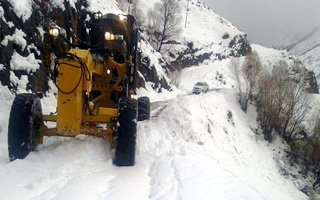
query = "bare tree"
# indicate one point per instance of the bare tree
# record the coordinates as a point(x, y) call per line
point(267, 105)
point(164, 22)
point(297, 107)
point(246, 77)
point(241, 84)
point(251, 68)
point(282, 103)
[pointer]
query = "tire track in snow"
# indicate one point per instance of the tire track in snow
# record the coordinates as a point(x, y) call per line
point(164, 180)
point(163, 177)
point(71, 179)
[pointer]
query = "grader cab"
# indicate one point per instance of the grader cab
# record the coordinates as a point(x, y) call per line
point(96, 85)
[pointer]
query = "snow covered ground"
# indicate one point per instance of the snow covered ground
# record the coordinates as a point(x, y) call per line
point(193, 147)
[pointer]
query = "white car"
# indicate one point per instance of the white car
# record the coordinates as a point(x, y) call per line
point(200, 87)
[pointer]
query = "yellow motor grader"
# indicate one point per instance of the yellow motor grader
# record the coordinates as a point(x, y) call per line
point(96, 84)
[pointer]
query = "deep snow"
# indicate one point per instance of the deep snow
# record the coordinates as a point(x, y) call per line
point(193, 147)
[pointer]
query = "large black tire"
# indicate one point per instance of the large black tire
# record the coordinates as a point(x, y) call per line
point(143, 108)
point(126, 132)
point(24, 126)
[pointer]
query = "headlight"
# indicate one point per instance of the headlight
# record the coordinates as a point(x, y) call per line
point(55, 32)
point(109, 36)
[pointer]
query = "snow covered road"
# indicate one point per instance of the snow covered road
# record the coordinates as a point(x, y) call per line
point(191, 148)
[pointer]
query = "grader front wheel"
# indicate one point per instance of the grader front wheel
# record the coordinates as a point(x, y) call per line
point(126, 132)
point(24, 126)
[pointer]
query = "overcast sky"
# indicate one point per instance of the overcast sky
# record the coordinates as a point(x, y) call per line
point(270, 22)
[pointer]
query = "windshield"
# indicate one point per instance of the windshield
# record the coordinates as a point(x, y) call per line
point(199, 84)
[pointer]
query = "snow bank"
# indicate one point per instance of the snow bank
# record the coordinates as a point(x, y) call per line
point(6, 98)
point(203, 148)
point(155, 96)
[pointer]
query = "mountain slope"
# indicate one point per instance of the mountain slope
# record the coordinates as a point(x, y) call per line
point(308, 51)
point(206, 37)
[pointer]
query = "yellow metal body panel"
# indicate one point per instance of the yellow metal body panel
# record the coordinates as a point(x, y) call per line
point(108, 111)
point(51, 118)
point(75, 84)
point(70, 105)
point(93, 131)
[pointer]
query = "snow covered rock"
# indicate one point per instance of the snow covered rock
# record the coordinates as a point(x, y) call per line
point(308, 50)
point(21, 46)
point(153, 68)
point(270, 57)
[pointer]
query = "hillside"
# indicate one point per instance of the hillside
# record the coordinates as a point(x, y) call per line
point(193, 147)
point(308, 49)
point(207, 37)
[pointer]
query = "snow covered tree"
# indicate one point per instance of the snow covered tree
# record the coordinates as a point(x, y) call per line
point(164, 22)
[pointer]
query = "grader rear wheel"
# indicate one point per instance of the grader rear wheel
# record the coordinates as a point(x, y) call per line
point(143, 108)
